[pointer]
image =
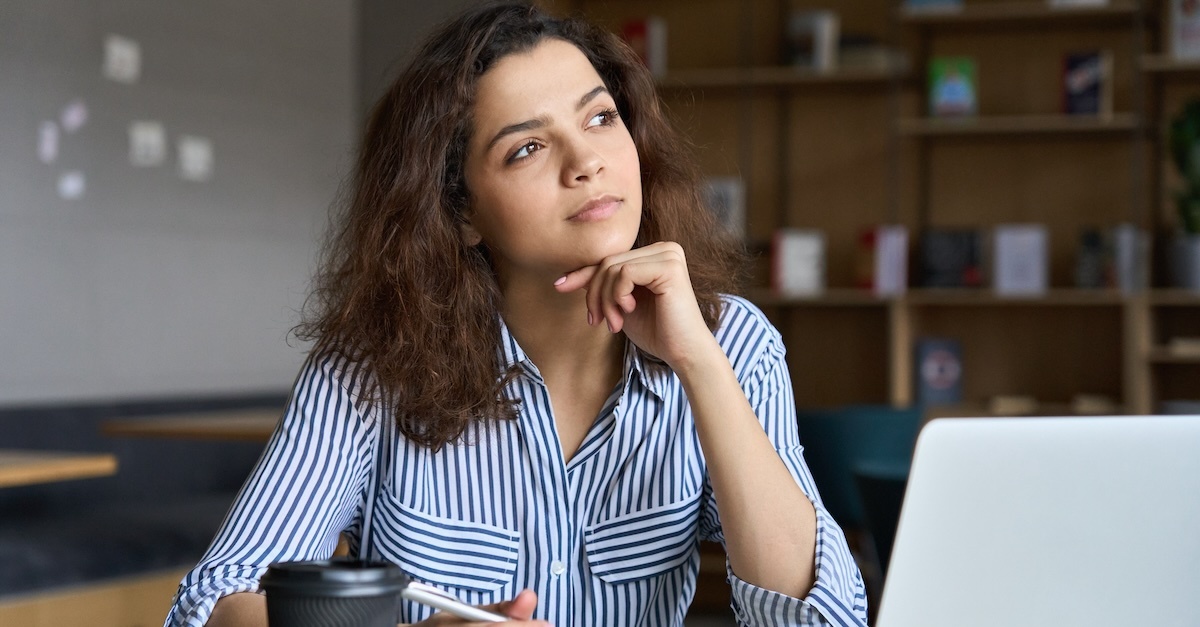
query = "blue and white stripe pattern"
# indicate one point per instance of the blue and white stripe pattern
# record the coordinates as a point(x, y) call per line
point(608, 538)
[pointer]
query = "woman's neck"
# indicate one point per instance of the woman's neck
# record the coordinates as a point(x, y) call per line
point(553, 331)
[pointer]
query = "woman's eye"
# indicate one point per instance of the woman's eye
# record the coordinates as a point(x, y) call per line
point(604, 118)
point(523, 151)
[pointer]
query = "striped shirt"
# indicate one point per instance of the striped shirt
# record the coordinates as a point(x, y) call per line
point(606, 538)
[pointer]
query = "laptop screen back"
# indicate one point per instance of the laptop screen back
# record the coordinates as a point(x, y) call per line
point(1049, 521)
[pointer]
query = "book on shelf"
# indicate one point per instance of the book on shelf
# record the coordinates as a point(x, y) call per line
point(952, 87)
point(1131, 258)
point(1012, 405)
point(939, 368)
point(1091, 260)
point(932, 6)
point(1114, 258)
point(883, 260)
point(648, 38)
point(950, 258)
point(798, 262)
point(864, 52)
point(1021, 259)
point(812, 38)
point(1185, 29)
point(725, 196)
point(1068, 4)
point(1087, 83)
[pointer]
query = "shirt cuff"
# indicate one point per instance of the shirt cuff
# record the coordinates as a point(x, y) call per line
point(194, 604)
point(838, 597)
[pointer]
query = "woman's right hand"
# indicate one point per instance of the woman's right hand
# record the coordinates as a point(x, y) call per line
point(519, 609)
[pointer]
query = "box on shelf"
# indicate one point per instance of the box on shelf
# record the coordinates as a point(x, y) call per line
point(648, 38)
point(883, 260)
point(798, 262)
point(950, 258)
point(1185, 29)
point(726, 197)
point(939, 371)
point(1021, 259)
point(952, 87)
point(812, 38)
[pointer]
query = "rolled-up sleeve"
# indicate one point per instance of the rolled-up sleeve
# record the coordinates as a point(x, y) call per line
point(309, 485)
point(838, 597)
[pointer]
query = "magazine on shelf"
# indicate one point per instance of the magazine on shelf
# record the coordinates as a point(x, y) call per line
point(798, 262)
point(952, 87)
point(883, 260)
point(1021, 262)
point(1185, 29)
point(1087, 83)
point(939, 368)
point(726, 197)
point(648, 38)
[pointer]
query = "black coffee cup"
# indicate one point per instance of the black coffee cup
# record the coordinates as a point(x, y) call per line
point(333, 593)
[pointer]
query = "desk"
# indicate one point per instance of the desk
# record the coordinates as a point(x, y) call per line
point(27, 467)
point(250, 425)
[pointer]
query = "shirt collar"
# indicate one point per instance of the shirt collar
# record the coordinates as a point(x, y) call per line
point(652, 374)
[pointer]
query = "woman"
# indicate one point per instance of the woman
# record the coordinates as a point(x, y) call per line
point(526, 387)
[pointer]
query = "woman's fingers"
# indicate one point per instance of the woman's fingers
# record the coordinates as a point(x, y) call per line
point(611, 285)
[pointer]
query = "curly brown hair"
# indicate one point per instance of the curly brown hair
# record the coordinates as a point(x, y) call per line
point(399, 292)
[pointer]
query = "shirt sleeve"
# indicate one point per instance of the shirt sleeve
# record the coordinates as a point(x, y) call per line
point(838, 597)
point(309, 485)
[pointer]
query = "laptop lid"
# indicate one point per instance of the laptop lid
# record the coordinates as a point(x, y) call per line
point(1049, 521)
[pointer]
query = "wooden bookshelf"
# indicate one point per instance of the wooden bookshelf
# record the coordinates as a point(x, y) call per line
point(988, 298)
point(1017, 125)
point(1166, 64)
point(776, 77)
point(1010, 14)
point(1175, 298)
point(837, 297)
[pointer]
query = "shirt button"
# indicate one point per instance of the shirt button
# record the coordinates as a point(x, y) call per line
point(557, 568)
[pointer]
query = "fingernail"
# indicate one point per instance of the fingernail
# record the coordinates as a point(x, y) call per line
point(609, 324)
point(562, 279)
point(589, 318)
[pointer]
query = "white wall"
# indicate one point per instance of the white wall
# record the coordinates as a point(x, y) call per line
point(150, 285)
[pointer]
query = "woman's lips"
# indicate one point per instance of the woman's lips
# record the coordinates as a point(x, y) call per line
point(596, 210)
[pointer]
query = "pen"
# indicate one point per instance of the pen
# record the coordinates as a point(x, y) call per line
point(433, 597)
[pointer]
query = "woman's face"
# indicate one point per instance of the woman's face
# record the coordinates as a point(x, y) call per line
point(552, 171)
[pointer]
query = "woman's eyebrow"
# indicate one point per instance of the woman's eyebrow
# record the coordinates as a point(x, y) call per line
point(541, 121)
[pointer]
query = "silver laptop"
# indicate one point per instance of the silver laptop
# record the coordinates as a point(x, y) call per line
point(1049, 522)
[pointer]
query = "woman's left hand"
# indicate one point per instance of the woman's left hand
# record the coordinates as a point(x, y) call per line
point(646, 293)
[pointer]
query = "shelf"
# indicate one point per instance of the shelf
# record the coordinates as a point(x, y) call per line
point(981, 410)
point(1175, 298)
point(1163, 355)
point(951, 297)
point(775, 77)
point(837, 297)
point(982, 297)
point(1166, 64)
point(998, 14)
point(1020, 125)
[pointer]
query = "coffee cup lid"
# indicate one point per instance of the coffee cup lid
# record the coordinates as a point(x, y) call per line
point(335, 577)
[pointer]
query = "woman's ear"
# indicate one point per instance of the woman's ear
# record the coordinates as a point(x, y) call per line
point(469, 235)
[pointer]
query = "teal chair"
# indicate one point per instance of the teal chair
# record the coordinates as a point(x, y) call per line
point(859, 456)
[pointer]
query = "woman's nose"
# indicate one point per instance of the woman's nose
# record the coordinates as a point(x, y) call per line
point(583, 163)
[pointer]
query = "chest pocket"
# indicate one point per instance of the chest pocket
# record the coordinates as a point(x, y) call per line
point(643, 544)
point(447, 552)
